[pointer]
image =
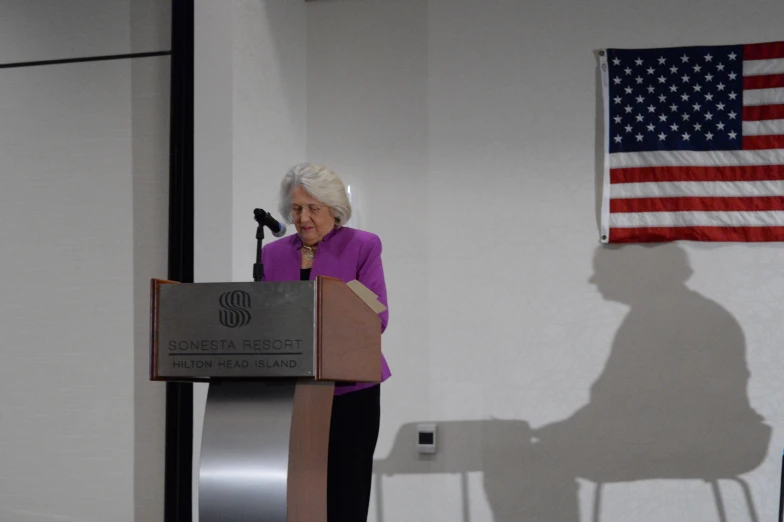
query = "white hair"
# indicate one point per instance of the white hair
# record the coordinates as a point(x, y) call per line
point(319, 182)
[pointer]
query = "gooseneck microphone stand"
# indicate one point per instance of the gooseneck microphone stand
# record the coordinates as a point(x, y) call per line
point(258, 267)
point(781, 491)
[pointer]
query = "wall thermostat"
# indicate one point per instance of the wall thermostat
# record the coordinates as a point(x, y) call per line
point(426, 438)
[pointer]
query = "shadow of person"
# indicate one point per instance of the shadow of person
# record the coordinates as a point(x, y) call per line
point(671, 403)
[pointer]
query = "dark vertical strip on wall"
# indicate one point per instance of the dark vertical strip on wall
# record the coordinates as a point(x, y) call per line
point(179, 396)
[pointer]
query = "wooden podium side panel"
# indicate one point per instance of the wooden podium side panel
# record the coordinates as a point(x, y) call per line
point(155, 292)
point(349, 335)
point(308, 452)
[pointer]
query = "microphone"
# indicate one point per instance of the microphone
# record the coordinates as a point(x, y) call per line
point(265, 219)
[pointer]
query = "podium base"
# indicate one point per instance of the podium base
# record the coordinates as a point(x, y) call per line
point(264, 451)
point(245, 451)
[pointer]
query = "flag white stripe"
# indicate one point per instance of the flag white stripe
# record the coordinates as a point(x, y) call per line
point(744, 218)
point(691, 158)
point(760, 67)
point(753, 97)
point(674, 189)
point(764, 127)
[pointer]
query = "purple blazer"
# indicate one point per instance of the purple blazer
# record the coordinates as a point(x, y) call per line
point(344, 253)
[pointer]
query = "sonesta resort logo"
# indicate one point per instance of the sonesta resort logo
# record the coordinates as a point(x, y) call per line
point(235, 309)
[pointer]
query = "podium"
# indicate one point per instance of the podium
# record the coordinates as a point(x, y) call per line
point(272, 353)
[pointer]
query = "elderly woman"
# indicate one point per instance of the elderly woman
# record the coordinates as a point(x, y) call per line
point(314, 199)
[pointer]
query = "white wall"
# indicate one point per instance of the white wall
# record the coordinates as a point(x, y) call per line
point(470, 134)
point(150, 151)
point(54, 30)
point(269, 74)
point(83, 199)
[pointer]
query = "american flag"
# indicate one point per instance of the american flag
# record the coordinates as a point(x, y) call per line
point(694, 143)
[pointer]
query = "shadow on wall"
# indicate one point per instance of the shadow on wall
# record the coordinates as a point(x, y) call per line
point(671, 403)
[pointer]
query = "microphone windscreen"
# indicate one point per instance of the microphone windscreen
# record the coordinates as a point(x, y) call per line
point(281, 232)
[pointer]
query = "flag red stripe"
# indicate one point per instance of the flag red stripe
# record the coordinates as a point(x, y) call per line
point(769, 141)
point(697, 204)
point(763, 112)
point(764, 51)
point(737, 173)
point(663, 234)
point(766, 81)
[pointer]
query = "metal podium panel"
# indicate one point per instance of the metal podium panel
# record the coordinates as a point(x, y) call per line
point(243, 330)
point(243, 474)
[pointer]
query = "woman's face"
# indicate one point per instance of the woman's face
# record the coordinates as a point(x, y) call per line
point(313, 219)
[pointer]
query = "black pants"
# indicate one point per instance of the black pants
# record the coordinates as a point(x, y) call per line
point(352, 440)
